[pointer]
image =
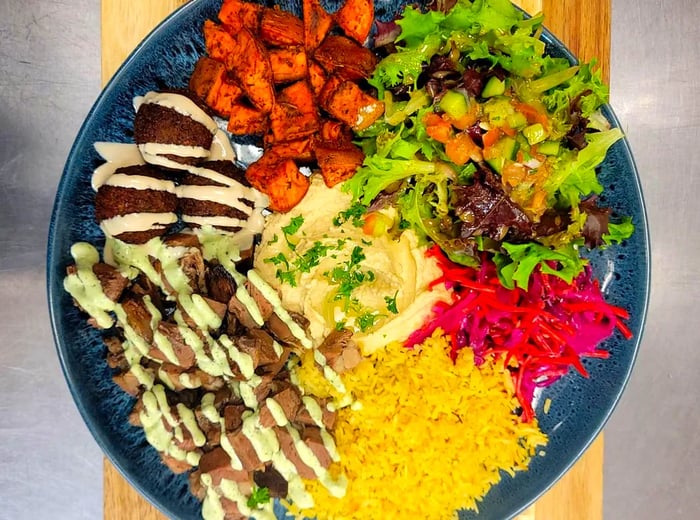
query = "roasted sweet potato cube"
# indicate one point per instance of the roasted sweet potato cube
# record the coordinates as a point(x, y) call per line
point(346, 102)
point(236, 14)
point(355, 19)
point(338, 162)
point(317, 23)
point(345, 58)
point(281, 28)
point(288, 64)
point(207, 76)
point(218, 41)
point(280, 179)
point(317, 77)
point(224, 98)
point(329, 87)
point(245, 120)
point(300, 150)
point(250, 64)
point(335, 132)
point(294, 116)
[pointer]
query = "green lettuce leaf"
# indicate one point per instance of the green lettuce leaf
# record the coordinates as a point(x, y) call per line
point(417, 26)
point(619, 232)
point(483, 29)
point(520, 260)
point(378, 173)
point(574, 173)
point(588, 84)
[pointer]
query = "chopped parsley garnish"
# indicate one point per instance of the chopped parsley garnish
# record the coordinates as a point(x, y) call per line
point(391, 303)
point(274, 239)
point(301, 263)
point(348, 276)
point(357, 256)
point(354, 214)
point(339, 325)
point(293, 226)
point(278, 259)
point(259, 496)
point(366, 321)
point(286, 277)
point(312, 257)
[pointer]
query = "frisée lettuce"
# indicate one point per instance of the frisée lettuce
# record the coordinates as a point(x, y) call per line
point(488, 144)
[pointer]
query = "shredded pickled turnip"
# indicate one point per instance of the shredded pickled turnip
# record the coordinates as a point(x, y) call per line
point(541, 331)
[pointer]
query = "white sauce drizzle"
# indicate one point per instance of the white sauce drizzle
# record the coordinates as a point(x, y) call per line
point(215, 220)
point(243, 361)
point(277, 412)
point(180, 104)
point(135, 222)
point(117, 155)
point(139, 182)
point(156, 408)
point(271, 296)
point(226, 195)
point(330, 374)
point(221, 149)
point(179, 150)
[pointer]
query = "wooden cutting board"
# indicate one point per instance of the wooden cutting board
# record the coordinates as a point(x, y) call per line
point(584, 26)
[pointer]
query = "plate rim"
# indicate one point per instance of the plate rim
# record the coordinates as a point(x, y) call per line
point(54, 306)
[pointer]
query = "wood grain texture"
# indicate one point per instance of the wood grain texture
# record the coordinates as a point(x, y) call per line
point(584, 26)
point(124, 24)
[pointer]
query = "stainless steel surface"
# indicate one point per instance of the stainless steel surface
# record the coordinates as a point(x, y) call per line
point(50, 468)
point(652, 442)
point(49, 76)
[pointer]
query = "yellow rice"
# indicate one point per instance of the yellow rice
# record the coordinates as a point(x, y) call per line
point(430, 437)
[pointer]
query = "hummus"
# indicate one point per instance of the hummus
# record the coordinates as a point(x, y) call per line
point(326, 268)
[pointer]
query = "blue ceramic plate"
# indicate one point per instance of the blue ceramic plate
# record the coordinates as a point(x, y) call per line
point(579, 409)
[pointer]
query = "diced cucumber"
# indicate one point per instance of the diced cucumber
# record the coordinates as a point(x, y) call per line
point(497, 164)
point(454, 104)
point(505, 149)
point(509, 147)
point(493, 87)
point(548, 147)
point(517, 120)
point(497, 110)
point(535, 133)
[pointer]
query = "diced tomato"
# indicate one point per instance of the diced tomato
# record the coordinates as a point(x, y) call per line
point(461, 148)
point(437, 127)
point(513, 173)
point(490, 137)
point(377, 224)
point(467, 120)
point(532, 114)
point(510, 132)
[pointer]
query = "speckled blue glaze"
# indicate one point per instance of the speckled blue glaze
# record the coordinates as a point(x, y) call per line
point(580, 407)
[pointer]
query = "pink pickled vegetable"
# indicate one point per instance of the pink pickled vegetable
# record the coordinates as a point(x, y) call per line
point(541, 331)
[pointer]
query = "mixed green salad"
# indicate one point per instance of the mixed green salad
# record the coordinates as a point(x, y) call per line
point(488, 144)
